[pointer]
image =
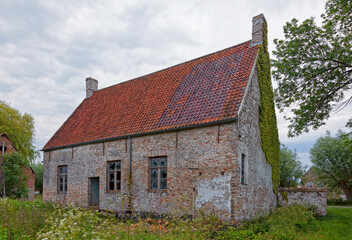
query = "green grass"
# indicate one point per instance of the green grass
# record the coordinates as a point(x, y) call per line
point(337, 224)
point(39, 220)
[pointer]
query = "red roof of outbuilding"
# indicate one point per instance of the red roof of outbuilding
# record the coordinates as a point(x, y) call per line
point(203, 90)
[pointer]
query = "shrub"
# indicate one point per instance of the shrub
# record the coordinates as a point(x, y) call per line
point(282, 223)
point(15, 180)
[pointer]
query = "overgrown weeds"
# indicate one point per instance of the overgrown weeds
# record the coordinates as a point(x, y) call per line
point(40, 220)
point(22, 219)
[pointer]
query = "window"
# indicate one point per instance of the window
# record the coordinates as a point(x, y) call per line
point(114, 176)
point(309, 184)
point(158, 173)
point(243, 157)
point(62, 179)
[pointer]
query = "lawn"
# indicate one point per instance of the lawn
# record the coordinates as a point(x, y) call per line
point(337, 224)
point(39, 220)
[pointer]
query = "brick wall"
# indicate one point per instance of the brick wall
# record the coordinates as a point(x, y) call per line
point(30, 181)
point(316, 197)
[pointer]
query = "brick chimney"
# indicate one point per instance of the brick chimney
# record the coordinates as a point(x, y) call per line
point(91, 86)
point(258, 24)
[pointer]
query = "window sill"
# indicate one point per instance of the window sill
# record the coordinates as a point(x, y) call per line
point(112, 192)
point(157, 190)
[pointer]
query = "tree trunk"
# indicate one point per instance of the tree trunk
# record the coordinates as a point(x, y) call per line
point(347, 191)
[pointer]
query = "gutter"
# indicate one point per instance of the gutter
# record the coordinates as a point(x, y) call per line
point(229, 120)
point(130, 195)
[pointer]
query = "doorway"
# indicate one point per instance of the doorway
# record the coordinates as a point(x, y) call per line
point(94, 192)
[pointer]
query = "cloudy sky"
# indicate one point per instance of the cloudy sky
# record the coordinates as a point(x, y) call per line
point(48, 48)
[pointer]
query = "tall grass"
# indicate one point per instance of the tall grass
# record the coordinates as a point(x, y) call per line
point(40, 220)
point(22, 219)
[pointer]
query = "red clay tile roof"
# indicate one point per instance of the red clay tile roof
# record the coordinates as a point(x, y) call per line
point(203, 90)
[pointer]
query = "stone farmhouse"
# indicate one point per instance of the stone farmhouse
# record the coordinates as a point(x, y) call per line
point(7, 147)
point(180, 140)
point(310, 179)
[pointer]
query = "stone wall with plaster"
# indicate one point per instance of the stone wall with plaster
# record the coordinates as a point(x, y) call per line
point(255, 196)
point(317, 197)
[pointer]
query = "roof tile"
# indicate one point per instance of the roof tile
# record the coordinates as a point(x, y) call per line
point(203, 90)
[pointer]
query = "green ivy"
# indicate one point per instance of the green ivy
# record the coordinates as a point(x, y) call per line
point(284, 196)
point(268, 126)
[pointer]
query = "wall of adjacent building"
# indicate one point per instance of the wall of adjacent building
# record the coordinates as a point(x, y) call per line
point(306, 196)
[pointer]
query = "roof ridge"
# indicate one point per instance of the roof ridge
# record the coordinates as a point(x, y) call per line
point(178, 64)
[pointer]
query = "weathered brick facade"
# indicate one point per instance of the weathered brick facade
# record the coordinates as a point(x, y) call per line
point(206, 125)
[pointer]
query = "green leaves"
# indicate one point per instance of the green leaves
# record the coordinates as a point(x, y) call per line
point(38, 169)
point(15, 180)
point(291, 169)
point(313, 67)
point(19, 128)
point(332, 159)
point(268, 125)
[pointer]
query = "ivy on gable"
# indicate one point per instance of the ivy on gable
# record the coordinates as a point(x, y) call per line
point(268, 125)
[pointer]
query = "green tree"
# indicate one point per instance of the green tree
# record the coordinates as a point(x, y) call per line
point(19, 128)
point(38, 169)
point(15, 181)
point(332, 159)
point(291, 169)
point(313, 67)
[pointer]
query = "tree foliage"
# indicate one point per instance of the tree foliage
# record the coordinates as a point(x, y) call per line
point(15, 180)
point(332, 159)
point(38, 169)
point(19, 128)
point(291, 169)
point(313, 67)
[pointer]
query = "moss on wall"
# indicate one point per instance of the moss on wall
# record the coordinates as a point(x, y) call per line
point(268, 126)
point(284, 196)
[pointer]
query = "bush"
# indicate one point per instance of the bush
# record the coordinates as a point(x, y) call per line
point(282, 223)
point(15, 180)
point(334, 201)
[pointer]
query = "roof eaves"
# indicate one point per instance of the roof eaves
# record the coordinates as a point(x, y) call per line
point(222, 121)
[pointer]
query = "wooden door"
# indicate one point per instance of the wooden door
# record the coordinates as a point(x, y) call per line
point(94, 192)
